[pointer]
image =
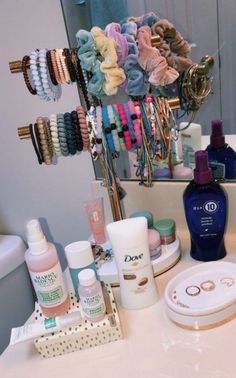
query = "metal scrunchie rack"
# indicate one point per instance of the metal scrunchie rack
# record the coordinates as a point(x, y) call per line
point(154, 118)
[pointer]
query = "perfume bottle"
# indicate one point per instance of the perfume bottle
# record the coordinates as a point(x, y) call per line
point(222, 158)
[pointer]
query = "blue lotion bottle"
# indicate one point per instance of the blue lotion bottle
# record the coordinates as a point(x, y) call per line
point(221, 157)
point(205, 205)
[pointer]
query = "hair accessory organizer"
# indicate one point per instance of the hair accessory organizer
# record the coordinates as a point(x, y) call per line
point(155, 36)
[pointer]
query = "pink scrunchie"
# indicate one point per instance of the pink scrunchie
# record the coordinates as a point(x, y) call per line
point(152, 62)
point(113, 30)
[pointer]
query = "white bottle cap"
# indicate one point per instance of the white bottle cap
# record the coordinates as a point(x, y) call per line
point(86, 277)
point(128, 233)
point(79, 254)
point(74, 318)
point(35, 237)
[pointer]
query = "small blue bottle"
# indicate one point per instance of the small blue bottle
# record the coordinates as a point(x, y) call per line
point(205, 205)
point(221, 157)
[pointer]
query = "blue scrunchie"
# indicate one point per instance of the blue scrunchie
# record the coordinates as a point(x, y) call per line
point(137, 79)
point(87, 55)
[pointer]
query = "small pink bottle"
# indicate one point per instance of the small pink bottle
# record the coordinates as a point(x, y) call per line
point(95, 212)
point(91, 296)
point(45, 272)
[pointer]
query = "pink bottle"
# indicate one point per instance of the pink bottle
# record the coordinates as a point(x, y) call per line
point(45, 272)
point(91, 295)
point(95, 212)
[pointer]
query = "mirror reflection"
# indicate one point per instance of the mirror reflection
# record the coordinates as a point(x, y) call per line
point(208, 29)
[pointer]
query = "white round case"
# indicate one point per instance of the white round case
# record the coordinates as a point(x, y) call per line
point(203, 296)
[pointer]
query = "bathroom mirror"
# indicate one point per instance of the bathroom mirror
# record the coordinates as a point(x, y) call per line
point(209, 27)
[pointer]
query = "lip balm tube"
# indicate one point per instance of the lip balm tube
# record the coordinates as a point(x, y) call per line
point(95, 212)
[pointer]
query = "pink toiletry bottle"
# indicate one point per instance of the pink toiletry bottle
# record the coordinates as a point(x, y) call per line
point(91, 295)
point(45, 272)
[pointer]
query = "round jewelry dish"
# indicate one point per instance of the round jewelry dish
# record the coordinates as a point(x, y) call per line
point(170, 255)
point(203, 296)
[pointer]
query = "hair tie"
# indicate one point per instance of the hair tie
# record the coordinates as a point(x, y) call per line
point(51, 91)
point(119, 127)
point(50, 68)
point(135, 122)
point(34, 69)
point(125, 128)
point(107, 130)
point(113, 30)
point(27, 79)
point(113, 128)
point(77, 128)
point(54, 134)
point(70, 133)
point(54, 65)
point(152, 62)
point(62, 135)
point(92, 133)
point(83, 126)
point(114, 76)
point(69, 65)
point(35, 143)
point(45, 141)
point(98, 128)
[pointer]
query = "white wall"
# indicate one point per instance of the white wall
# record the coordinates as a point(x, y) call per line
point(55, 193)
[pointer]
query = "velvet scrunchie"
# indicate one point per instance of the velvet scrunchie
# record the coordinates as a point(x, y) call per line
point(89, 62)
point(113, 30)
point(152, 62)
point(137, 80)
point(146, 19)
point(114, 76)
point(177, 45)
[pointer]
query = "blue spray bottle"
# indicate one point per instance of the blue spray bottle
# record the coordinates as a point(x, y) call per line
point(205, 205)
point(221, 157)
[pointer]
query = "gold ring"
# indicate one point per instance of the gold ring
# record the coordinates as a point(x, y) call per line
point(208, 285)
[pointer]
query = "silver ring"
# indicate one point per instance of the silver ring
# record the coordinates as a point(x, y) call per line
point(228, 281)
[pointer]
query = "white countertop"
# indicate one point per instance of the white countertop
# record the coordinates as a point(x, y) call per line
point(152, 345)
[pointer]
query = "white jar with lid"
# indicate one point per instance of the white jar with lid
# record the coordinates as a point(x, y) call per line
point(91, 296)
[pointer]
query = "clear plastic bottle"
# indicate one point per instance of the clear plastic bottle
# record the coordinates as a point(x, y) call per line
point(45, 272)
point(91, 296)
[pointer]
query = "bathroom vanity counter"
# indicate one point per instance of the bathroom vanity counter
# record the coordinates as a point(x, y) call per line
point(152, 346)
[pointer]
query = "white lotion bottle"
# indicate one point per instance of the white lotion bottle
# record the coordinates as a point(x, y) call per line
point(129, 240)
point(45, 272)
